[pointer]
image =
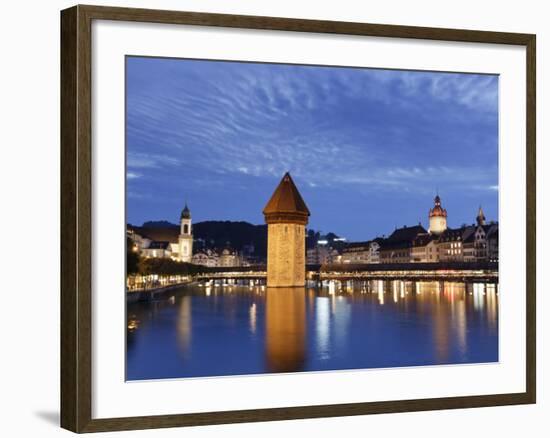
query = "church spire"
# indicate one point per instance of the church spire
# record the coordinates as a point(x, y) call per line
point(185, 213)
point(480, 219)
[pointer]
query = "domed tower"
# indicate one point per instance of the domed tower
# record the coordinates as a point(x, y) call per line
point(286, 215)
point(480, 219)
point(438, 217)
point(185, 239)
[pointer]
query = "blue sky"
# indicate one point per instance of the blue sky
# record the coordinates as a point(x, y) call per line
point(367, 148)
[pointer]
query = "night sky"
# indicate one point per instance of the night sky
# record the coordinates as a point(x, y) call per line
point(367, 148)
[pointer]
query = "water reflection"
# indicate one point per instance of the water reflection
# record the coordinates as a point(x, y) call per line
point(252, 315)
point(184, 323)
point(285, 332)
point(322, 327)
point(245, 329)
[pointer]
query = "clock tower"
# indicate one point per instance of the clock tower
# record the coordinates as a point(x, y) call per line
point(185, 239)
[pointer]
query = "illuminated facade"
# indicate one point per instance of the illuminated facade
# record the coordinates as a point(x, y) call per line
point(398, 247)
point(450, 245)
point(185, 239)
point(438, 217)
point(165, 240)
point(286, 215)
point(322, 255)
point(425, 249)
point(362, 252)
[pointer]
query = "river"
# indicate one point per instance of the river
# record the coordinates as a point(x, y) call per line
point(198, 330)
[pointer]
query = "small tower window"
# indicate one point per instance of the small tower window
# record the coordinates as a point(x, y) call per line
point(186, 229)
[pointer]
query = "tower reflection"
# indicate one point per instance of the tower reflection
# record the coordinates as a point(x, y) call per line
point(183, 324)
point(285, 329)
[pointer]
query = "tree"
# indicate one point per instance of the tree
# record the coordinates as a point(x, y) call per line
point(132, 257)
point(164, 266)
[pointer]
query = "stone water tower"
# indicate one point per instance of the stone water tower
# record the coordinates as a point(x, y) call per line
point(286, 215)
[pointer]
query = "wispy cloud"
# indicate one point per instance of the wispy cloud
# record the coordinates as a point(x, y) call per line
point(133, 175)
point(148, 161)
point(209, 124)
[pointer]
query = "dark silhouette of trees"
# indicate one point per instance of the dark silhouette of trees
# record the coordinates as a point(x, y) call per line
point(132, 257)
point(164, 266)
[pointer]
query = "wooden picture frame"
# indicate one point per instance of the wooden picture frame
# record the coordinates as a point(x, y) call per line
point(76, 217)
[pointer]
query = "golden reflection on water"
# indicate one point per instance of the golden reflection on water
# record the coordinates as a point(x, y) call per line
point(252, 312)
point(492, 305)
point(285, 329)
point(184, 326)
point(445, 309)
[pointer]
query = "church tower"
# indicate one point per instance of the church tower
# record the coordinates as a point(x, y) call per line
point(438, 217)
point(286, 215)
point(185, 239)
point(480, 219)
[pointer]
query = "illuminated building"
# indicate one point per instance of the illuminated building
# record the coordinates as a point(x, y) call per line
point(398, 247)
point(157, 250)
point(424, 249)
point(185, 239)
point(438, 217)
point(225, 258)
point(322, 255)
point(450, 244)
point(165, 240)
point(362, 252)
point(286, 215)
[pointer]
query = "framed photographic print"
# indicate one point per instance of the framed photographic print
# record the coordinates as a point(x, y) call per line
point(270, 218)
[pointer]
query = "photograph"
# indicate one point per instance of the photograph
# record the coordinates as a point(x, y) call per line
point(286, 218)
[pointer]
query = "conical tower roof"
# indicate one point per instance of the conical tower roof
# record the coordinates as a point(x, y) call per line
point(480, 218)
point(286, 204)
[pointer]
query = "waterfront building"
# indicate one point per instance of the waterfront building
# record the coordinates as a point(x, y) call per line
point(165, 240)
point(450, 245)
point(438, 217)
point(206, 257)
point(374, 250)
point(398, 247)
point(468, 250)
point(469, 243)
point(362, 252)
point(481, 243)
point(286, 215)
point(322, 255)
point(229, 257)
point(185, 239)
point(139, 240)
point(481, 237)
point(424, 249)
point(225, 258)
point(157, 250)
point(492, 244)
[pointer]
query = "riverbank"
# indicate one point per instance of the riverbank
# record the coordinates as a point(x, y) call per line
point(154, 293)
